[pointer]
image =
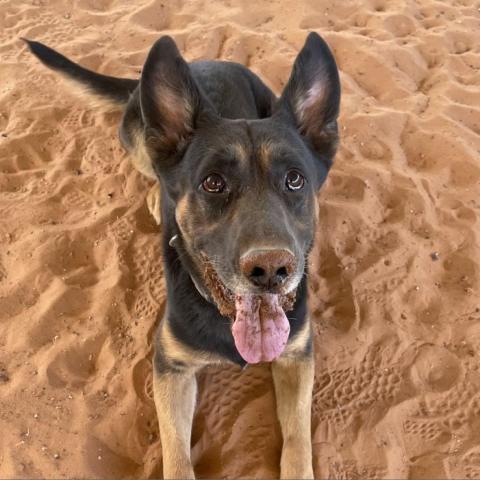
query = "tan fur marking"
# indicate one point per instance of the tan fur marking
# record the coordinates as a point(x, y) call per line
point(293, 380)
point(298, 345)
point(153, 203)
point(174, 350)
point(240, 152)
point(140, 156)
point(316, 207)
point(181, 209)
point(98, 102)
point(265, 154)
point(175, 397)
point(141, 160)
point(181, 212)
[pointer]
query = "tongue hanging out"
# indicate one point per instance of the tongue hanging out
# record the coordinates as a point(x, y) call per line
point(260, 328)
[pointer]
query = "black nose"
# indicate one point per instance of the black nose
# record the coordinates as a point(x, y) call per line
point(267, 268)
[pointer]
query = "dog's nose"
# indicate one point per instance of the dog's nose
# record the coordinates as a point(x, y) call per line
point(267, 268)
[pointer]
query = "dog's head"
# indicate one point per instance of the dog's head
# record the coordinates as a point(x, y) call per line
point(244, 190)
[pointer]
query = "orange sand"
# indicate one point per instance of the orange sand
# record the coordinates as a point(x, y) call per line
point(397, 331)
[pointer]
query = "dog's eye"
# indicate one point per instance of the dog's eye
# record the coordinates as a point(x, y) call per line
point(294, 180)
point(214, 183)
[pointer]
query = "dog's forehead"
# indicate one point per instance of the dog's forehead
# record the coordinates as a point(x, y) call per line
point(252, 141)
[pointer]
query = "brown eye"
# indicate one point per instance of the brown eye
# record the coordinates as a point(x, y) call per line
point(294, 180)
point(214, 183)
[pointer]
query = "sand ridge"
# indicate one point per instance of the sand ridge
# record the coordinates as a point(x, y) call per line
point(394, 281)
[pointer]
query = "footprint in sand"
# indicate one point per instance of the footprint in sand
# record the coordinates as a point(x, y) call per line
point(75, 364)
point(399, 25)
point(154, 16)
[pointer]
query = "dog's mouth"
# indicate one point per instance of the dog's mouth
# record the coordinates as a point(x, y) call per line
point(260, 326)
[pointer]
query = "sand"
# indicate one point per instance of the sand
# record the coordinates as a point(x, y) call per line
point(394, 279)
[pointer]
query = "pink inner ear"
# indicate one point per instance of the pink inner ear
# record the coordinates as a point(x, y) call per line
point(175, 112)
point(309, 105)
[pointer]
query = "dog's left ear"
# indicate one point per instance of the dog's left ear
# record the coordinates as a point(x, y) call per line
point(312, 95)
point(171, 102)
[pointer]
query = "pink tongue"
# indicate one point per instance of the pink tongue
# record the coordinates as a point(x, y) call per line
point(260, 328)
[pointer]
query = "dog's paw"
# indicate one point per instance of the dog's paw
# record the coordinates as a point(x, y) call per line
point(296, 462)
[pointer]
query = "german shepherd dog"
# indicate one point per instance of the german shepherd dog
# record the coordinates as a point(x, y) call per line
point(238, 171)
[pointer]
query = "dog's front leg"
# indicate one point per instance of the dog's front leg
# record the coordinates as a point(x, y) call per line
point(175, 395)
point(293, 379)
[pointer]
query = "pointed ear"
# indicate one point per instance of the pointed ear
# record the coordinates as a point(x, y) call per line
point(169, 98)
point(312, 95)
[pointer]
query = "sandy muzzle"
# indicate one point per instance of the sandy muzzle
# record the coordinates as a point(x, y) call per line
point(260, 326)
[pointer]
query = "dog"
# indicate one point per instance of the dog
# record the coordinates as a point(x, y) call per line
point(238, 171)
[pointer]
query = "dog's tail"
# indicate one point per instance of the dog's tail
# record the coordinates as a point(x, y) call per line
point(109, 92)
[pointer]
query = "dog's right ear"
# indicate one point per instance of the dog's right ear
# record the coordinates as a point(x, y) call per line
point(312, 95)
point(169, 98)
